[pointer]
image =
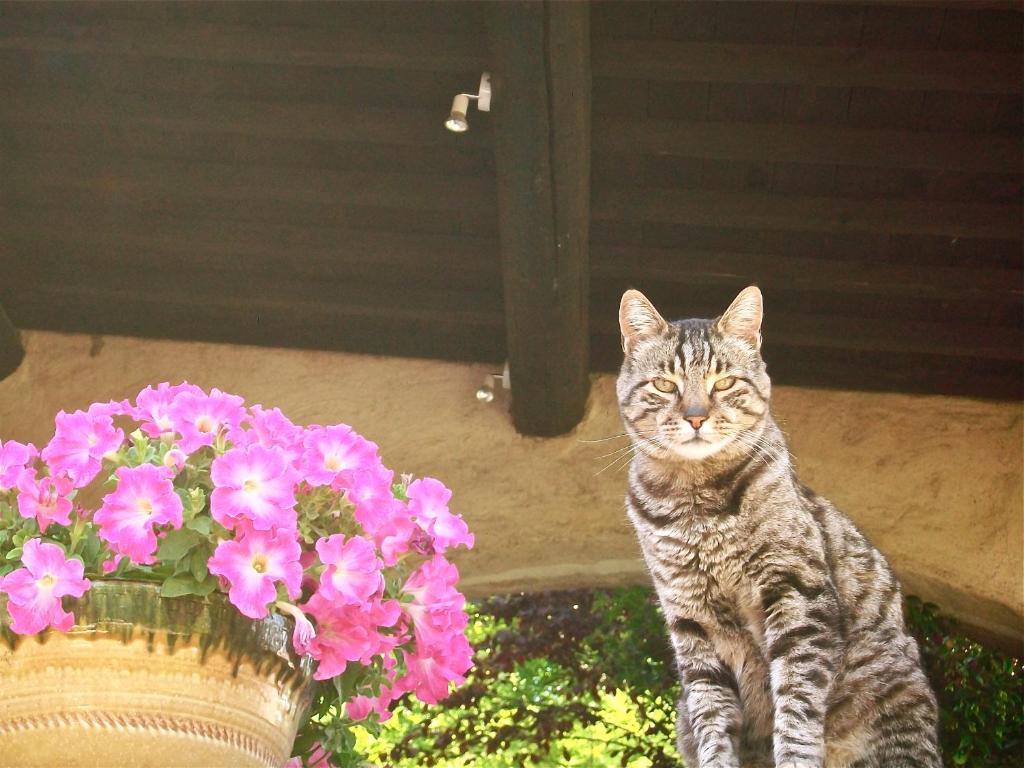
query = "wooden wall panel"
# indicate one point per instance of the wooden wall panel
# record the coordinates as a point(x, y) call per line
point(859, 161)
point(249, 171)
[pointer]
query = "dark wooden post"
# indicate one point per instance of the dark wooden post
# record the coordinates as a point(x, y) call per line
point(11, 351)
point(541, 111)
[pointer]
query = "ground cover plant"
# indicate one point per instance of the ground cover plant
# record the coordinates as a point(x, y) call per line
point(585, 678)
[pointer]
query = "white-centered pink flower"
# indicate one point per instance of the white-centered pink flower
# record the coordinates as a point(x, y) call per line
point(79, 444)
point(34, 592)
point(255, 484)
point(428, 505)
point(200, 418)
point(153, 406)
point(144, 497)
point(14, 457)
point(331, 454)
point(44, 499)
point(253, 564)
point(353, 574)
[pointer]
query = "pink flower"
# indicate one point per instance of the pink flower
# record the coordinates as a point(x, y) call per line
point(199, 418)
point(428, 505)
point(45, 500)
point(303, 633)
point(332, 453)
point(256, 484)
point(253, 564)
point(371, 493)
point(153, 406)
point(144, 497)
point(437, 608)
point(271, 429)
point(34, 592)
point(109, 566)
point(359, 707)
point(430, 671)
point(317, 758)
point(353, 573)
point(348, 633)
point(111, 408)
point(79, 443)
point(14, 456)
point(175, 460)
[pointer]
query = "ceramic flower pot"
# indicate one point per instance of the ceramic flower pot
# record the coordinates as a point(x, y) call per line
point(142, 680)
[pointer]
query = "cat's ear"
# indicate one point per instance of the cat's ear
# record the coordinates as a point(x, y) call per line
point(638, 319)
point(743, 317)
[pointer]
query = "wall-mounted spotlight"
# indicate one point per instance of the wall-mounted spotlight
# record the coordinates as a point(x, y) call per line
point(460, 105)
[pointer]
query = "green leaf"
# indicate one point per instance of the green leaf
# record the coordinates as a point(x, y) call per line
point(207, 585)
point(177, 544)
point(199, 560)
point(180, 584)
point(199, 525)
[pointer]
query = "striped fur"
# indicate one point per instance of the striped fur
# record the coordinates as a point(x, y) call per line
point(787, 624)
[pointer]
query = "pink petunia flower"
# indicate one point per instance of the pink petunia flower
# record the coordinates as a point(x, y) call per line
point(304, 633)
point(109, 566)
point(353, 572)
point(34, 592)
point(437, 609)
point(111, 408)
point(317, 758)
point(431, 670)
point(175, 460)
point(253, 564)
point(44, 499)
point(331, 454)
point(428, 505)
point(14, 457)
point(79, 444)
point(271, 429)
point(359, 707)
point(255, 484)
point(350, 633)
point(144, 497)
point(153, 406)
point(199, 418)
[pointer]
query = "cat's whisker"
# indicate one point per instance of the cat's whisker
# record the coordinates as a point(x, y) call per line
point(620, 435)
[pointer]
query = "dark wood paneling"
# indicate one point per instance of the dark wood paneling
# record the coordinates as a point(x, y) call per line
point(968, 71)
point(861, 162)
point(249, 172)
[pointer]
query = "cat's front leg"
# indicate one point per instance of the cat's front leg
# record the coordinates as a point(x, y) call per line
point(710, 697)
point(803, 643)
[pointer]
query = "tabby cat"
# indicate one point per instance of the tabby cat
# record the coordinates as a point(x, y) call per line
point(787, 625)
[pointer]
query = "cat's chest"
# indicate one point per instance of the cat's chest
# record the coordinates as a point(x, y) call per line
point(699, 562)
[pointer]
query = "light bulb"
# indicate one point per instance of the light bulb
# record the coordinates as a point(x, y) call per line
point(457, 119)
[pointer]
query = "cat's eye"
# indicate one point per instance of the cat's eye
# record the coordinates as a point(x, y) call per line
point(664, 385)
point(724, 383)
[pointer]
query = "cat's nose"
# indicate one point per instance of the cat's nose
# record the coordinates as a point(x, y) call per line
point(696, 419)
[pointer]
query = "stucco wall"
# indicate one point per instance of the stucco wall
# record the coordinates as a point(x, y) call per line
point(935, 482)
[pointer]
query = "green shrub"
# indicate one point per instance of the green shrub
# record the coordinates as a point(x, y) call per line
point(980, 691)
point(585, 679)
